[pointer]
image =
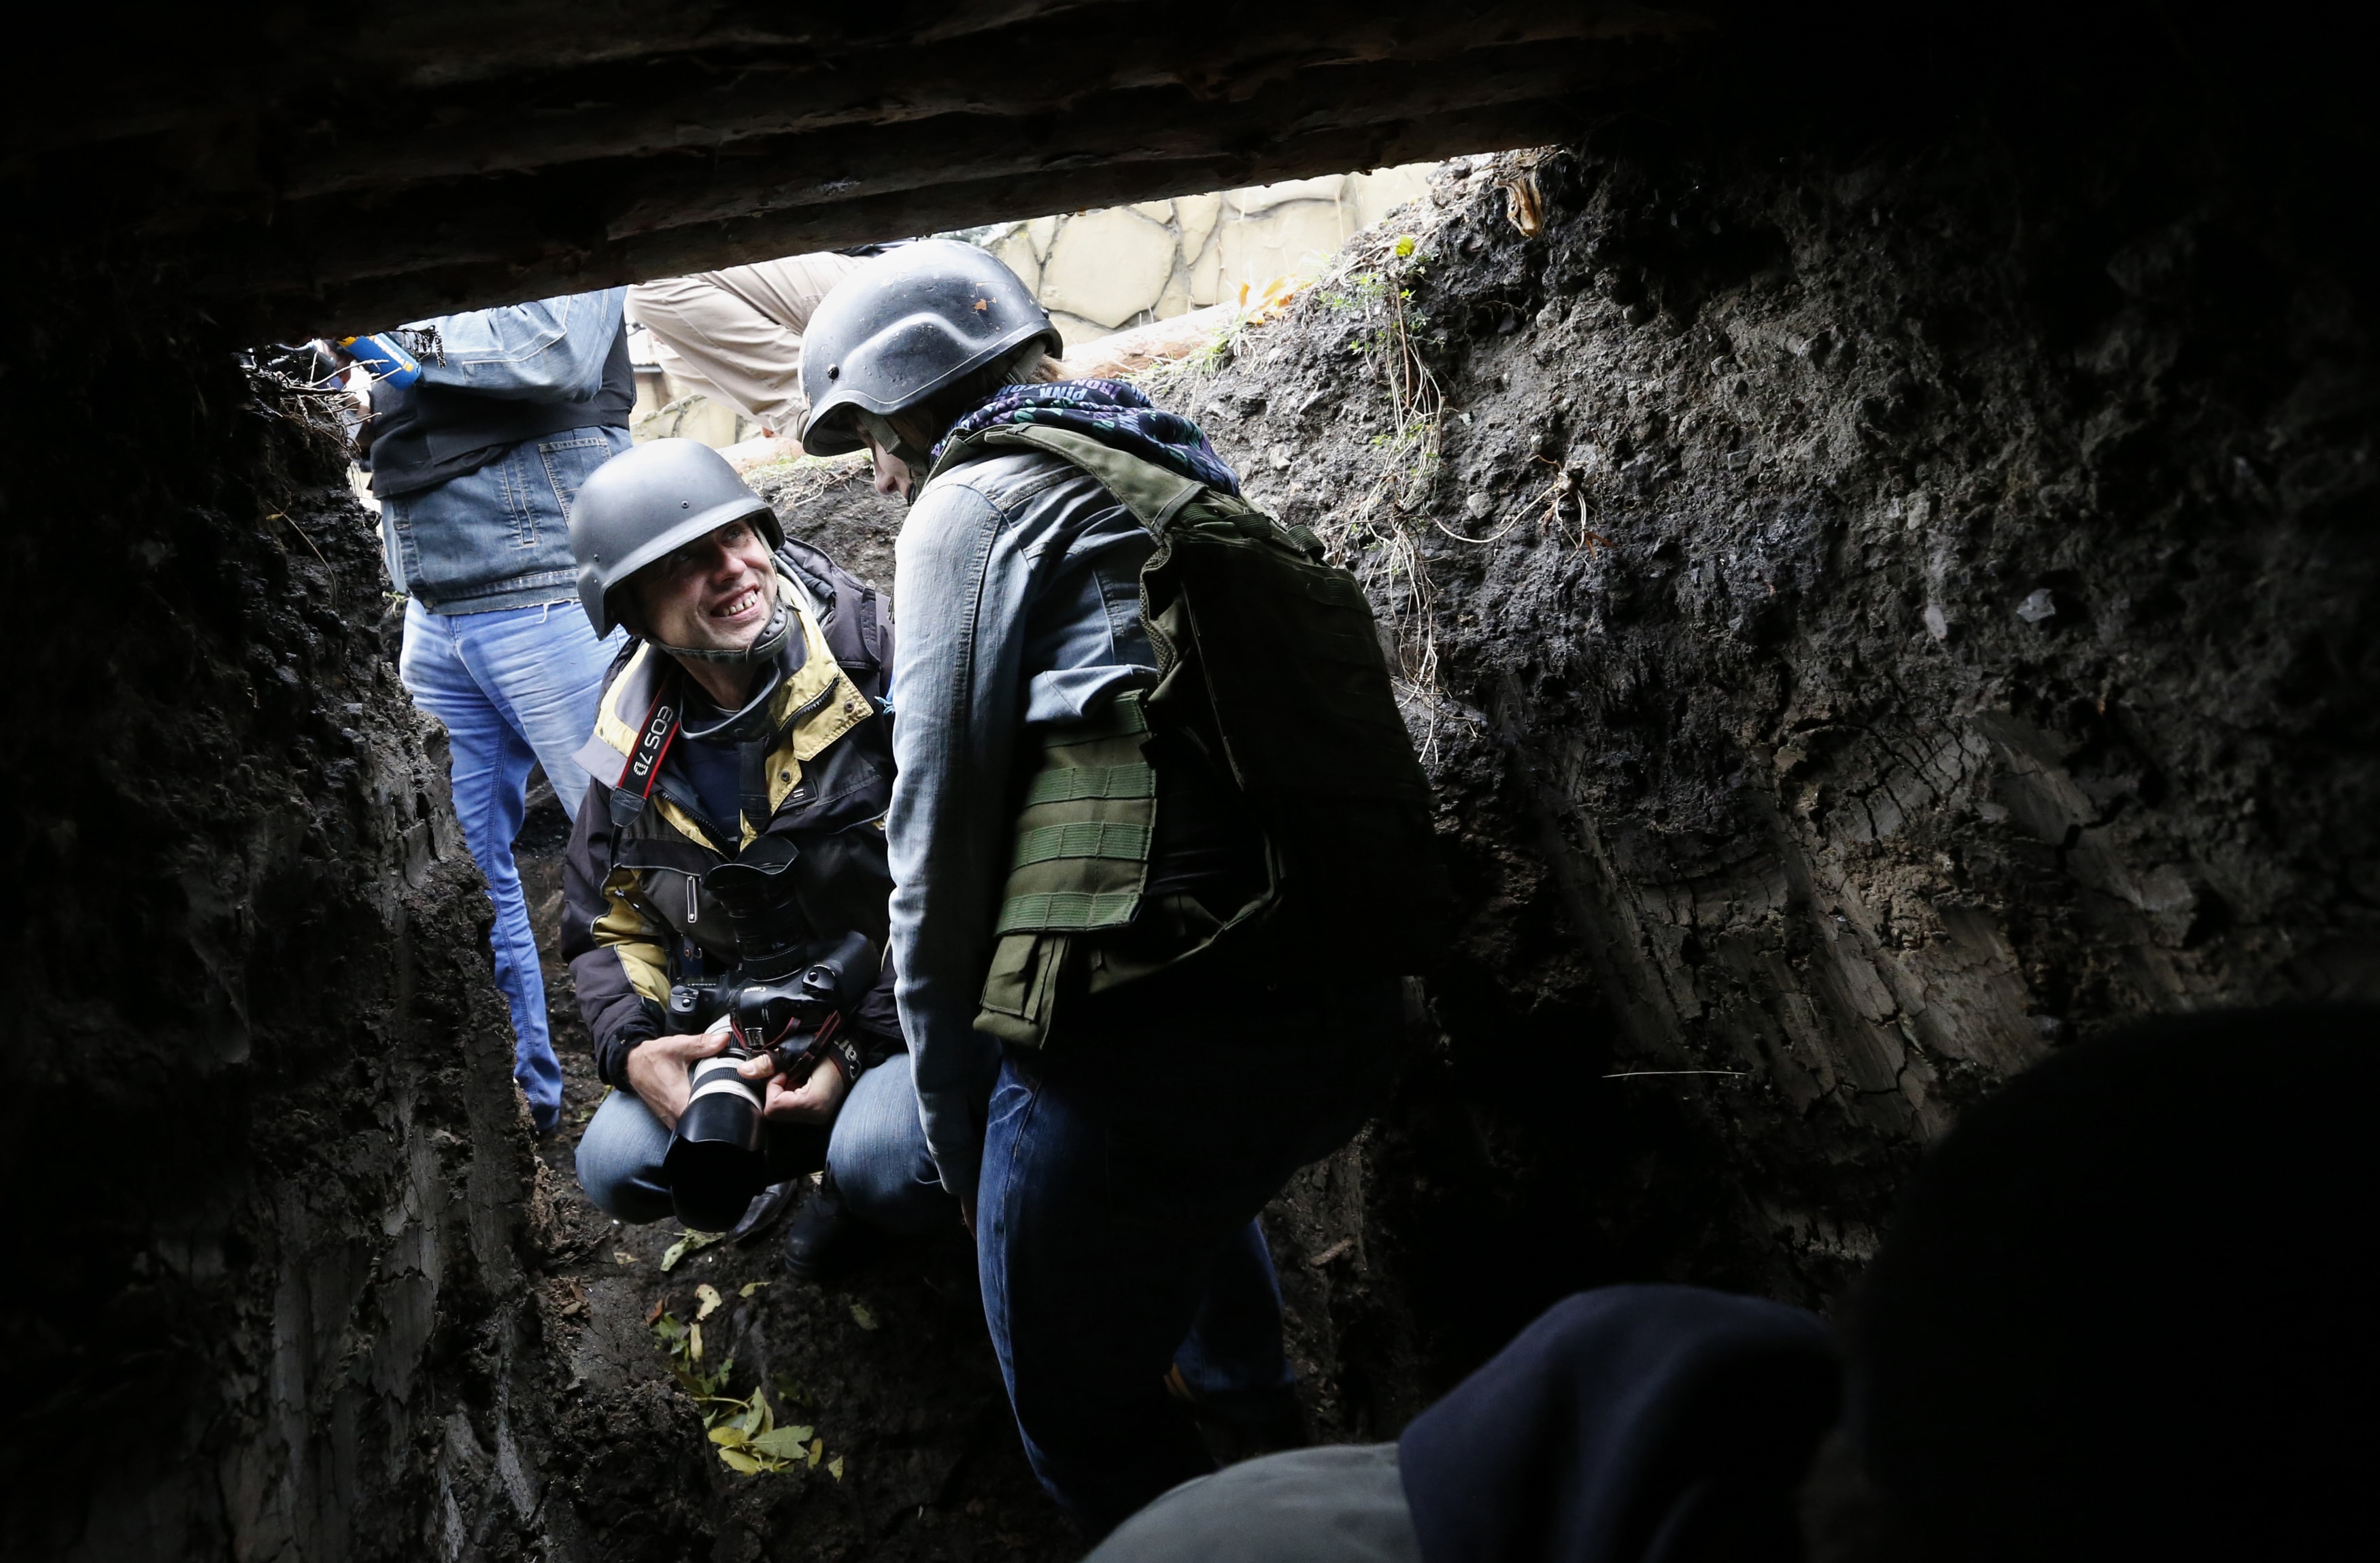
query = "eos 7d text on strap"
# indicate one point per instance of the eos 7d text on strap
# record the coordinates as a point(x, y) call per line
point(644, 766)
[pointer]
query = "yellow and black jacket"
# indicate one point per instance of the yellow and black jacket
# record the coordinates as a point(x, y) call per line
point(819, 772)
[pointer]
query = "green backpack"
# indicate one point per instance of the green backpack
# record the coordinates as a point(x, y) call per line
point(1269, 662)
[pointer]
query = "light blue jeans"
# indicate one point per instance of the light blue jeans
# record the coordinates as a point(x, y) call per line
point(513, 687)
point(876, 1151)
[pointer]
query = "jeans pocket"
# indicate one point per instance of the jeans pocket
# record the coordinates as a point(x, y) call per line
point(568, 464)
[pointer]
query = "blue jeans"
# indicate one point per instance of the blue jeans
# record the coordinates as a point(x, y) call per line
point(1116, 1233)
point(876, 1150)
point(513, 687)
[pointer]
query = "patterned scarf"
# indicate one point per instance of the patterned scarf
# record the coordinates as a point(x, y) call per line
point(1114, 414)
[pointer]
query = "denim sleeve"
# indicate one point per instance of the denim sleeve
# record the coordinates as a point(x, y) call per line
point(962, 582)
point(549, 351)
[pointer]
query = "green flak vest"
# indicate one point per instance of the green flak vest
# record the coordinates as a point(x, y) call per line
point(1268, 661)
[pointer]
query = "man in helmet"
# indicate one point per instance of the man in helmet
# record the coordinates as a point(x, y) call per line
point(1123, 1044)
point(746, 721)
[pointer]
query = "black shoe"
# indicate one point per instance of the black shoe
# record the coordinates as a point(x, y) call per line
point(822, 1233)
point(768, 1208)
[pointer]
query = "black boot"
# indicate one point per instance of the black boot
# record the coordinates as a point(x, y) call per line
point(820, 1235)
point(768, 1208)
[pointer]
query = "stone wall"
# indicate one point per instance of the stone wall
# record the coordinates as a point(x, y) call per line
point(1099, 272)
point(1103, 270)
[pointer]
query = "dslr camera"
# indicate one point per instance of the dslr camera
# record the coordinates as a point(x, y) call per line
point(786, 997)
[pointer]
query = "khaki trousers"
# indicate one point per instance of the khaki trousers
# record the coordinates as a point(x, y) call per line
point(737, 335)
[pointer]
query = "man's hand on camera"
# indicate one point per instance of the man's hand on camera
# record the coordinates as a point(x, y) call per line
point(657, 1070)
point(814, 1101)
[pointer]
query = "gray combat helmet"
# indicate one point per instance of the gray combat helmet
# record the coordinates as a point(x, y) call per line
point(908, 323)
point(646, 501)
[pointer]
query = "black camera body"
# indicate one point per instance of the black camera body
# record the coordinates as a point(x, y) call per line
point(786, 997)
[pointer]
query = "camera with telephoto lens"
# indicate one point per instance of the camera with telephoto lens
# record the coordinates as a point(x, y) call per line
point(786, 997)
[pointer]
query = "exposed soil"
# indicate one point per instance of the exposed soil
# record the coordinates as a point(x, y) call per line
point(1882, 607)
point(271, 1278)
point(1877, 615)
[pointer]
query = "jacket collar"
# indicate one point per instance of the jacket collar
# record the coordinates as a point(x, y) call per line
point(815, 705)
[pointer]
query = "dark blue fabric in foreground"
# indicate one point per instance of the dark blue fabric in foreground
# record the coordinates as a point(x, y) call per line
point(1636, 1423)
point(1112, 413)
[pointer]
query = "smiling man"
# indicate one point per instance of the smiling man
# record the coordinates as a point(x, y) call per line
point(745, 722)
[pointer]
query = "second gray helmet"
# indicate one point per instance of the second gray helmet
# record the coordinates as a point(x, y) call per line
point(646, 501)
point(906, 325)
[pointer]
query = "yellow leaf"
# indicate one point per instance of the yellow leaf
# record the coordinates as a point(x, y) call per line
point(817, 1451)
point(738, 1461)
point(620, 1255)
point(784, 1443)
point(748, 1287)
point(861, 1316)
point(708, 1295)
point(834, 1467)
point(687, 1243)
point(729, 1437)
point(694, 1341)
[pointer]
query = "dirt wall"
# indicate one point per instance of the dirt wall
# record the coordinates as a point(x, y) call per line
point(269, 1263)
point(1880, 608)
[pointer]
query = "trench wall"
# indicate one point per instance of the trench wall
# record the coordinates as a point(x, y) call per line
point(273, 1256)
point(1879, 610)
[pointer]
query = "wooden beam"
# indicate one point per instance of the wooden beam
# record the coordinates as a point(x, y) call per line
point(711, 104)
point(276, 300)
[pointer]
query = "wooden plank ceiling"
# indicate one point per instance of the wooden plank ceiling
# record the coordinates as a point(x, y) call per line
point(315, 167)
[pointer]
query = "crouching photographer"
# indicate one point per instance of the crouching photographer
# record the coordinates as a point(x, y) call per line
point(726, 884)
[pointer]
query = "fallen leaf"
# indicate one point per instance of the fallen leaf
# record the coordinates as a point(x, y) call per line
point(748, 1287)
point(861, 1316)
point(834, 1467)
point(707, 1296)
point(622, 1255)
point(659, 1303)
point(687, 1242)
point(694, 1341)
point(784, 1443)
point(817, 1451)
point(738, 1461)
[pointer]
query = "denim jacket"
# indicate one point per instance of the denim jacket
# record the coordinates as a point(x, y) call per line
point(499, 537)
point(1019, 581)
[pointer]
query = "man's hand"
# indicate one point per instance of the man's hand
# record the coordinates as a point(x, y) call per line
point(657, 1070)
point(814, 1101)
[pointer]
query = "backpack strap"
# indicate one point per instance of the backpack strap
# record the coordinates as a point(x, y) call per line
point(1154, 494)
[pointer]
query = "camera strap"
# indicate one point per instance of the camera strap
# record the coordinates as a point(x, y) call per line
point(644, 766)
point(829, 1041)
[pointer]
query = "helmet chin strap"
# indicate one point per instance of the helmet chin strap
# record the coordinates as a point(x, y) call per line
point(896, 445)
point(764, 648)
point(749, 720)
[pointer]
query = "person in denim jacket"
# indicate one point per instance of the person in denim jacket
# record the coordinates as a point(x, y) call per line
point(475, 465)
point(1112, 1167)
